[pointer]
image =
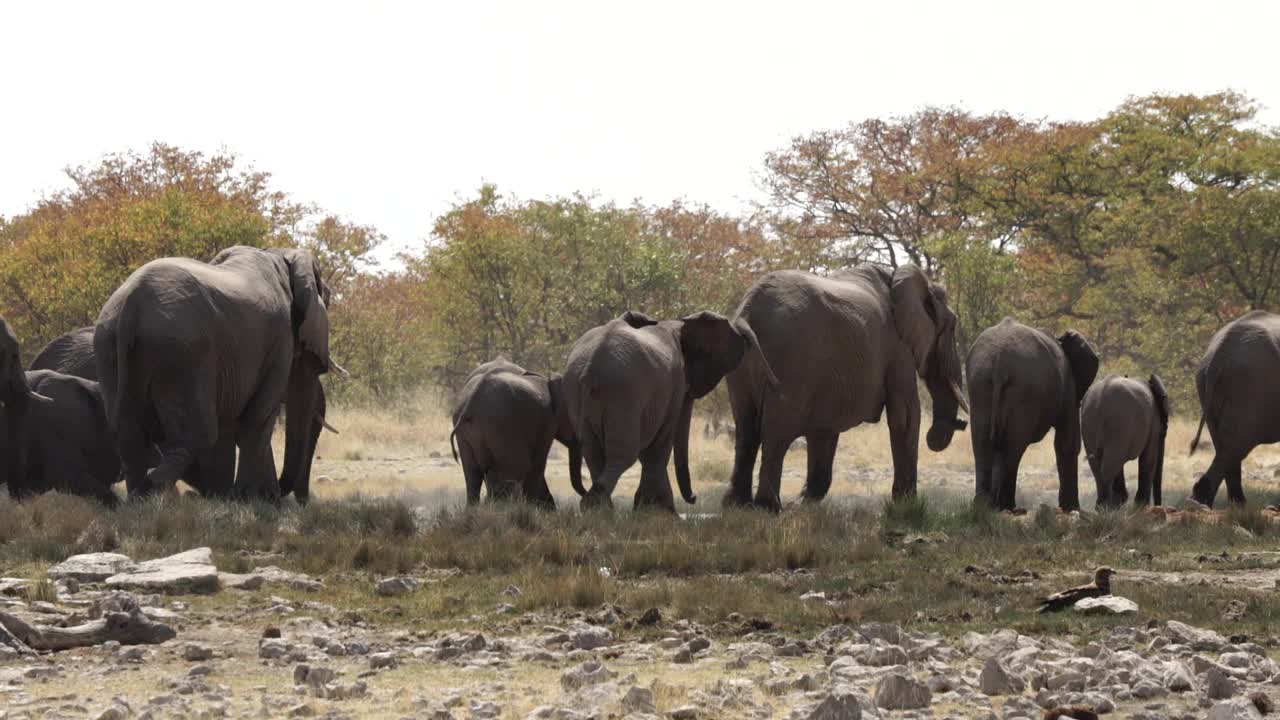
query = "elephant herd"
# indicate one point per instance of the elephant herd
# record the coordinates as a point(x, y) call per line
point(809, 356)
point(184, 374)
point(182, 377)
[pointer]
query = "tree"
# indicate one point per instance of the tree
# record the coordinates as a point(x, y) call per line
point(61, 260)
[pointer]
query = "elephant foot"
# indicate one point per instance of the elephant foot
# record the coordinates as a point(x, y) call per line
point(595, 501)
point(769, 504)
point(732, 500)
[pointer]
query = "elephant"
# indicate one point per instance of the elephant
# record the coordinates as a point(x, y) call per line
point(1239, 399)
point(72, 354)
point(69, 446)
point(629, 387)
point(1123, 419)
point(197, 359)
point(54, 429)
point(504, 422)
point(1021, 383)
point(846, 348)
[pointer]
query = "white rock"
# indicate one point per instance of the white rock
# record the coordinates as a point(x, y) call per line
point(590, 637)
point(236, 581)
point(1218, 685)
point(396, 586)
point(1195, 638)
point(899, 692)
point(92, 567)
point(994, 680)
point(1106, 605)
point(190, 571)
point(1236, 709)
point(639, 700)
point(588, 673)
point(839, 705)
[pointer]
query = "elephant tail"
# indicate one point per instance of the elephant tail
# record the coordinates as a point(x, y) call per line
point(123, 341)
point(997, 388)
point(1195, 441)
point(453, 445)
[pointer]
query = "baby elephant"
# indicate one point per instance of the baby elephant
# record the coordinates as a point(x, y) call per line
point(504, 422)
point(1123, 419)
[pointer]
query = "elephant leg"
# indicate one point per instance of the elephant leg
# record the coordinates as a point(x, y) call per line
point(137, 456)
point(214, 471)
point(1005, 476)
point(822, 458)
point(746, 445)
point(983, 462)
point(1235, 486)
point(1206, 488)
point(535, 486)
point(769, 493)
point(188, 419)
point(1148, 487)
point(472, 473)
point(655, 484)
point(903, 410)
point(1119, 491)
point(256, 471)
point(1066, 447)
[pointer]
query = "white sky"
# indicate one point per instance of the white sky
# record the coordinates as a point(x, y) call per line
point(387, 113)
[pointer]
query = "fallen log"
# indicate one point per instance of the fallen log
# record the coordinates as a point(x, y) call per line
point(131, 628)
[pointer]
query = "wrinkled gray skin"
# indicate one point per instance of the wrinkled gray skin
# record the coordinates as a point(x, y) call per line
point(1238, 382)
point(504, 422)
point(197, 359)
point(72, 354)
point(629, 388)
point(846, 348)
point(1022, 382)
point(69, 447)
point(17, 400)
point(1123, 419)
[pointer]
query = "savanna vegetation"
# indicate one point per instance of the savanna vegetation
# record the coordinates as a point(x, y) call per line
point(1146, 229)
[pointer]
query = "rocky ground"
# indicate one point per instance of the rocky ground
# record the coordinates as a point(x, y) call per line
point(239, 650)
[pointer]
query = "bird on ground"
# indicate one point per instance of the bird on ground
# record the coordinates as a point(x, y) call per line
point(1100, 587)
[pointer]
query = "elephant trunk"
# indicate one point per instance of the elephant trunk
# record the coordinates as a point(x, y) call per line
point(682, 452)
point(305, 406)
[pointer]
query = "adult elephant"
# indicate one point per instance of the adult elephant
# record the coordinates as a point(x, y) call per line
point(1022, 382)
point(1123, 419)
point(197, 358)
point(504, 422)
point(629, 388)
point(1237, 382)
point(17, 399)
point(846, 348)
point(72, 354)
point(69, 446)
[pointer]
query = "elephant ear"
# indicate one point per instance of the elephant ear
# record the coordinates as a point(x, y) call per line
point(1082, 358)
point(637, 320)
point(1161, 396)
point(712, 348)
point(310, 315)
point(914, 313)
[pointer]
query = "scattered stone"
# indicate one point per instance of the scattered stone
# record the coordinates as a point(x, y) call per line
point(684, 712)
point(271, 631)
point(92, 567)
point(1234, 709)
point(396, 586)
point(586, 674)
point(379, 661)
point(1106, 605)
point(236, 581)
point(995, 680)
point(194, 652)
point(1261, 701)
point(899, 692)
point(839, 705)
point(652, 616)
point(1218, 685)
point(187, 572)
point(590, 637)
point(639, 700)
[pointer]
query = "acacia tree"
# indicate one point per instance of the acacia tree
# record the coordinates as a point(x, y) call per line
point(62, 259)
point(879, 189)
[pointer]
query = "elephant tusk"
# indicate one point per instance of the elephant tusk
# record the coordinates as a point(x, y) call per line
point(960, 398)
point(39, 398)
point(325, 423)
point(339, 370)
